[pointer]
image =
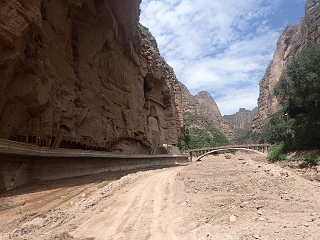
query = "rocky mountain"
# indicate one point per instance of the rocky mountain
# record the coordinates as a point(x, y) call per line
point(203, 106)
point(84, 74)
point(202, 117)
point(292, 41)
point(242, 119)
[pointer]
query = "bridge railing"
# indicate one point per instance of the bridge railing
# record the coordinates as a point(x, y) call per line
point(226, 147)
point(200, 152)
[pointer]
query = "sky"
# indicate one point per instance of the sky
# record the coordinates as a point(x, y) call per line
point(220, 46)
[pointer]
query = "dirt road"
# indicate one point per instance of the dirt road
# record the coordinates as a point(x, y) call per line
point(147, 209)
point(238, 198)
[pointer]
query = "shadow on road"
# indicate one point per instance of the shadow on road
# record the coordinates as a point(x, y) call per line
point(77, 181)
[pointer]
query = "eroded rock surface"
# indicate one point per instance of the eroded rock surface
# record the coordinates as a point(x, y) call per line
point(293, 40)
point(77, 74)
point(203, 107)
point(242, 119)
point(162, 87)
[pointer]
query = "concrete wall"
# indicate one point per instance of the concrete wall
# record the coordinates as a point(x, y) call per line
point(41, 164)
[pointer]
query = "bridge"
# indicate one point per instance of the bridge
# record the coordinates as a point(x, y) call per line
point(201, 152)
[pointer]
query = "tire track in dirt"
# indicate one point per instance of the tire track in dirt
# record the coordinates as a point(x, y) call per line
point(147, 209)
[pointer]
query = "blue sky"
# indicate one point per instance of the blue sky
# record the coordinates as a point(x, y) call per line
point(220, 46)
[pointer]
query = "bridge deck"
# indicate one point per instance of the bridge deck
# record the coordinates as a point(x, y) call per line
point(226, 147)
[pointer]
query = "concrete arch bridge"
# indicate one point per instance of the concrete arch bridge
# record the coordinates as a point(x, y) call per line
point(201, 152)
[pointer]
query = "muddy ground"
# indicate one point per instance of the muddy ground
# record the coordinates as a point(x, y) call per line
point(238, 198)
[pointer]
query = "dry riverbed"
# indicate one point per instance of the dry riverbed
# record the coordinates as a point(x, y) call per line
point(238, 198)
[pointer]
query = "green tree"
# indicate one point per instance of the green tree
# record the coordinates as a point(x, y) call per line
point(280, 130)
point(298, 90)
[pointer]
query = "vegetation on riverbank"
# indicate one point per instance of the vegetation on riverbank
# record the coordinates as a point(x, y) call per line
point(297, 125)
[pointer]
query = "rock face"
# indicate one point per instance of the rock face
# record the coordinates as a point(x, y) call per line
point(77, 74)
point(203, 107)
point(292, 41)
point(242, 119)
point(161, 87)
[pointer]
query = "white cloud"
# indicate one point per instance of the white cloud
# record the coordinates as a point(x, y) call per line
point(217, 46)
point(235, 99)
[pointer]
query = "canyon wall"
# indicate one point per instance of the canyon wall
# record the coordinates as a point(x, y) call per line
point(84, 74)
point(162, 86)
point(292, 41)
point(204, 110)
point(242, 119)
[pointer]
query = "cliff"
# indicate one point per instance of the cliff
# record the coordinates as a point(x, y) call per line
point(242, 119)
point(161, 85)
point(202, 109)
point(292, 41)
point(81, 74)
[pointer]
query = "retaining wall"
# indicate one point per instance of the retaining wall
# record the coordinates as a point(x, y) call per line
point(21, 163)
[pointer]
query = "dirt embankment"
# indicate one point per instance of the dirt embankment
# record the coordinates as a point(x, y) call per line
point(238, 198)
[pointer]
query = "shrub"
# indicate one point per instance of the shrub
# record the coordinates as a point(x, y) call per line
point(313, 158)
point(276, 154)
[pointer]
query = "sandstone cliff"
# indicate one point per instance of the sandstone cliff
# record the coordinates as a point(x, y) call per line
point(242, 119)
point(292, 41)
point(162, 86)
point(77, 74)
point(204, 110)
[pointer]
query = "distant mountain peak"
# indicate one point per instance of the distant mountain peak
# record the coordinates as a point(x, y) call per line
point(203, 107)
point(242, 119)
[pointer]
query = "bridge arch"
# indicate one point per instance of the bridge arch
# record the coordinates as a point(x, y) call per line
point(201, 152)
point(231, 148)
